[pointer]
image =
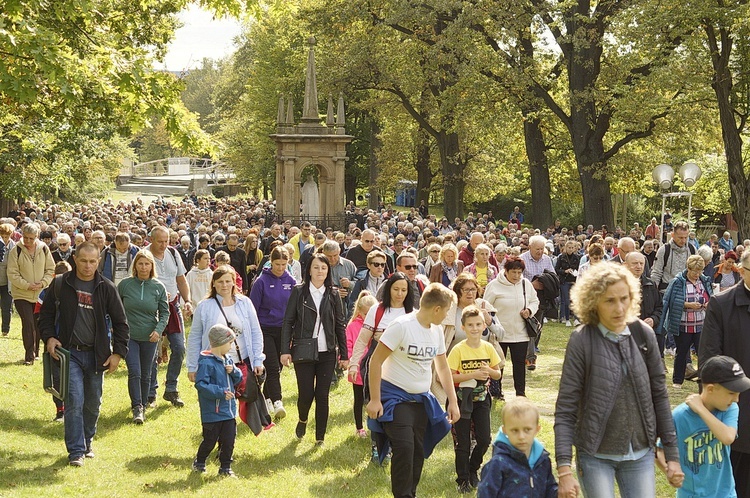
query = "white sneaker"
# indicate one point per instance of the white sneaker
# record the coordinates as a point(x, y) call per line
point(269, 406)
point(278, 410)
point(670, 351)
point(577, 322)
point(568, 324)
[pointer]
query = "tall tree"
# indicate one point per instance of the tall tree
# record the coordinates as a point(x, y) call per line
point(726, 29)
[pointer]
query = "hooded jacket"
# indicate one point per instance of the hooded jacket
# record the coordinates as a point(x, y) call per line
point(212, 382)
point(269, 295)
point(108, 257)
point(507, 299)
point(107, 304)
point(510, 473)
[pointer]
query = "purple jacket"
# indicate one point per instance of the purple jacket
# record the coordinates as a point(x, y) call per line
point(269, 295)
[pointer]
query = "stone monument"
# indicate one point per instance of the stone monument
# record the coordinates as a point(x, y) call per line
point(310, 143)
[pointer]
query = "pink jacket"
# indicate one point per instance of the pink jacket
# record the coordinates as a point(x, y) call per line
point(352, 332)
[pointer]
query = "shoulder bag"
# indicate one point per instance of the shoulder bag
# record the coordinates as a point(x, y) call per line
point(533, 327)
point(305, 349)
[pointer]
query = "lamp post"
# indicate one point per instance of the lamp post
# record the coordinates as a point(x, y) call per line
point(663, 176)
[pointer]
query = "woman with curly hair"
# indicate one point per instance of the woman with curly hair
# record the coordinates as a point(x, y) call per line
point(612, 403)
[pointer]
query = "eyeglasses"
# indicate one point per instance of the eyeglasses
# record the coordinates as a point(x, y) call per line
point(366, 241)
point(469, 290)
point(410, 267)
point(378, 265)
point(435, 251)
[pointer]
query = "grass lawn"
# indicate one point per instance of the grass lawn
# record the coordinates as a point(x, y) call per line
point(155, 458)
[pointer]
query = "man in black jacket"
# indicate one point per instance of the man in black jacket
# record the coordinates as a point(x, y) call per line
point(725, 333)
point(85, 299)
point(237, 259)
point(651, 302)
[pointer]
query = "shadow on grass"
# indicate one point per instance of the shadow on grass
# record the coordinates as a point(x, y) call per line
point(10, 421)
point(26, 470)
point(193, 481)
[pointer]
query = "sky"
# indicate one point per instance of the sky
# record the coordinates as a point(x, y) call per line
point(201, 36)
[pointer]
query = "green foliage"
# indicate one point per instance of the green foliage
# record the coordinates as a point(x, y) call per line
point(76, 74)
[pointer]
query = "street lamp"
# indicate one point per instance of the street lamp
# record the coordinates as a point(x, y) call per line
point(663, 176)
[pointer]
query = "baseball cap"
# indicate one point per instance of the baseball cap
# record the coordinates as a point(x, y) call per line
point(725, 371)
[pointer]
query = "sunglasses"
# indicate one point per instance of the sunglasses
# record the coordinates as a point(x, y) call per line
point(410, 267)
point(370, 241)
point(378, 265)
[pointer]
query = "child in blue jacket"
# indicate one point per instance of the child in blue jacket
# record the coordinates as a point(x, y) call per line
point(215, 380)
point(520, 466)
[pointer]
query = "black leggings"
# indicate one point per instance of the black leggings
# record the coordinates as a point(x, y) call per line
point(359, 404)
point(518, 359)
point(272, 350)
point(314, 382)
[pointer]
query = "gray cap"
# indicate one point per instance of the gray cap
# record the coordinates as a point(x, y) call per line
point(218, 335)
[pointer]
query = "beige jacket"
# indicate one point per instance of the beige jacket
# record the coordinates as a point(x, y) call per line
point(28, 268)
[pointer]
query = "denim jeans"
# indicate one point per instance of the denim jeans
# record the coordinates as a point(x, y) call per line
point(140, 358)
point(177, 350)
point(565, 300)
point(635, 478)
point(6, 307)
point(83, 402)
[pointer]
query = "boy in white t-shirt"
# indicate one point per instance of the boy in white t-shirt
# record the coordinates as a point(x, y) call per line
point(403, 413)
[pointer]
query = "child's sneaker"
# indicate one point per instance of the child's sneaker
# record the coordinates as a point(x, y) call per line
point(278, 410)
point(199, 467)
point(60, 415)
point(375, 457)
point(227, 473)
point(361, 433)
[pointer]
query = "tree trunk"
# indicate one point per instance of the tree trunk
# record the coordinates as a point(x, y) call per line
point(452, 164)
point(422, 165)
point(375, 145)
point(739, 198)
point(541, 201)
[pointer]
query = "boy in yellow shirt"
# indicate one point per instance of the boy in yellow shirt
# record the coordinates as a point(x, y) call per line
point(473, 362)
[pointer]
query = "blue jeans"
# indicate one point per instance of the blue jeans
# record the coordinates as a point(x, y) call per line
point(565, 300)
point(140, 358)
point(83, 402)
point(177, 350)
point(635, 478)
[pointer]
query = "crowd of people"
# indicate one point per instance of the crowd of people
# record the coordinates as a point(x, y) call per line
point(419, 314)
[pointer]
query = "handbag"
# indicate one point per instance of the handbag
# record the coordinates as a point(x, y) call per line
point(533, 327)
point(305, 349)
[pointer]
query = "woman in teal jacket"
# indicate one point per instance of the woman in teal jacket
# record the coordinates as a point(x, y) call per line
point(145, 301)
point(685, 304)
